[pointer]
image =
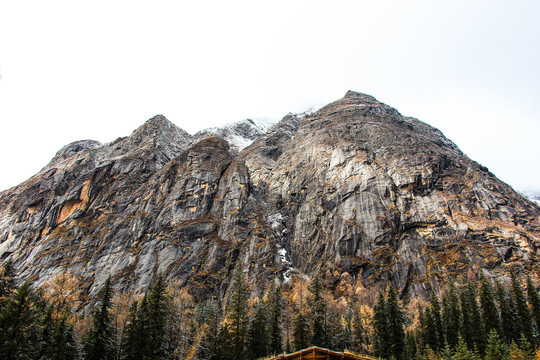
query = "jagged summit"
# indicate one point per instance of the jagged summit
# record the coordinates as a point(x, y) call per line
point(239, 134)
point(354, 191)
point(360, 97)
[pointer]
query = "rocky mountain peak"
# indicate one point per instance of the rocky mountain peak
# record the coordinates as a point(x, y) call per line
point(360, 97)
point(354, 191)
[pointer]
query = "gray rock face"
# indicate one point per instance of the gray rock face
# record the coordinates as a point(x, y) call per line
point(354, 190)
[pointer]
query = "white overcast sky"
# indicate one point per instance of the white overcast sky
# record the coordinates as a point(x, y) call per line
point(73, 70)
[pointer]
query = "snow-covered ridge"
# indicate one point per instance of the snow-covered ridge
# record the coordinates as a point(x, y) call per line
point(534, 196)
point(239, 134)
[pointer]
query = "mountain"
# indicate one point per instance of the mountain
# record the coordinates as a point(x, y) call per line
point(354, 190)
point(239, 134)
point(532, 195)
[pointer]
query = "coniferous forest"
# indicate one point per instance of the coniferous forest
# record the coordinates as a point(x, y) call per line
point(481, 319)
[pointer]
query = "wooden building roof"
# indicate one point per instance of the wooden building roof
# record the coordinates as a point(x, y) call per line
point(317, 353)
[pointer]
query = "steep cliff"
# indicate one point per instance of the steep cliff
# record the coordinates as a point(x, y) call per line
point(354, 190)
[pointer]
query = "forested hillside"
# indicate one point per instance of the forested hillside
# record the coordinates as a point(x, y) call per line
point(469, 320)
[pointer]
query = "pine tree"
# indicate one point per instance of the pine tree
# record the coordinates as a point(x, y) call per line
point(157, 316)
point(523, 313)
point(490, 313)
point(133, 340)
point(429, 328)
point(359, 332)
point(300, 331)
point(7, 283)
point(472, 327)
point(99, 342)
point(381, 341)
point(238, 313)
point(257, 343)
point(334, 330)
point(435, 309)
point(509, 318)
point(57, 338)
point(534, 301)
point(275, 319)
point(318, 313)
point(19, 325)
point(451, 316)
point(395, 320)
point(64, 343)
point(495, 349)
point(462, 351)
point(516, 353)
point(209, 315)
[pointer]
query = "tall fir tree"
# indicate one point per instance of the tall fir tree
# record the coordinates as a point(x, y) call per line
point(534, 302)
point(360, 337)
point(238, 313)
point(275, 319)
point(7, 283)
point(157, 315)
point(318, 313)
point(209, 316)
point(490, 313)
point(451, 316)
point(381, 341)
point(99, 342)
point(472, 327)
point(523, 312)
point(495, 349)
point(396, 321)
point(334, 330)
point(258, 339)
point(133, 344)
point(435, 307)
point(509, 318)
point(20, 325)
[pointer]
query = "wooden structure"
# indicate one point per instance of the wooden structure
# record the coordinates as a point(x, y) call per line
point(317, 353)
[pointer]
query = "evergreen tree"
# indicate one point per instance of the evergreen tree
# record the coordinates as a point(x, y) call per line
point(435, 310)
point(99, 342)
point(395, 320)
point(64, 342)
point(334, 330)
point(57, 338)
point(133, 340)
point(429, 328)
point(359, 332)
point(20, 325)
point(534, 301)
point(523, 313)
point(209, 316)
point(490, 313)
point(347, 340)
point(509, 318)
point(411, 346)
point(472, 327)
point(7, 283)
point(300, 331)
point(462, 351)
point(238, 313)
point(318, 313)
point(381, 341)
point(157, 315)
point(495, 349)
point(451, 316)
point(275, 319)
point(516, 353)
point(257, 343)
